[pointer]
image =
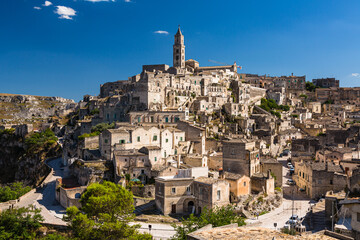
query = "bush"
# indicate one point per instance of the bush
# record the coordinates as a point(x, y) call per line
point(278, 189)
point(217, 217)
point(102, 127)
point(270, 105)
point(94, 111)
point(304, 96)
point(86, 135)
point(288, 231)
point(13, 191)
point(38, 141)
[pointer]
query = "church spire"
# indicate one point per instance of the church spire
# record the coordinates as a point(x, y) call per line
point(178, 32)
point(179, 50)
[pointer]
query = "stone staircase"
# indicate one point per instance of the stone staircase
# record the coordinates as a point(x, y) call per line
point(150, 206)
point(317, 217)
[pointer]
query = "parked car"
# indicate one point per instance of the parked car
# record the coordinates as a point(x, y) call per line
point(289, 164)
point(301, 190)
point(290, 182)
point(294, 219)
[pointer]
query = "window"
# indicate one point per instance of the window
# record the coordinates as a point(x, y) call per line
point(166, 140)
point(122, 141)
point(173, 190)
point(331, 182)
point(181, 138)
point(155, 159)
point(175, 151)
point(106, 141)
point(125, 160)
point(244, 184)
point(142, 171)
point(165, 154)
point(155, 138)
point(218, 195)
point(114, 116)
point(138, 139)
point(188, 189)
point(166, 119)
point(358, 217)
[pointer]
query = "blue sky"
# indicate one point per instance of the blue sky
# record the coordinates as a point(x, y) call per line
point(68, 48)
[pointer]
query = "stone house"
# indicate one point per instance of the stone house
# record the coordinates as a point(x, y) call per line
point(68, 192)
point(137, 137)
point(263, 182)
point(326, 82)
point(189, 192)
point(275, 168)
point(158, 116)
point(239, 185)
point(334, 154)
point(316, 178)
point(134, 163)
point(210, 193)
point(241, 156)
point(315, 107)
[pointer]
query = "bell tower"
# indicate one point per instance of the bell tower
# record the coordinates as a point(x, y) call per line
point(179, 50)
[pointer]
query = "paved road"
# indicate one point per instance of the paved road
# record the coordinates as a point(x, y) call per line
point(282, 214)
point(158, 231)
point(53, 212)
point(44, 198)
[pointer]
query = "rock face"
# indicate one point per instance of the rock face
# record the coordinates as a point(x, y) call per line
point(17, 164)
point(19, 109)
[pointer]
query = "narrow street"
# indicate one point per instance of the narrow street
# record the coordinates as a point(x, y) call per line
point(300, 206)
point(44, 198)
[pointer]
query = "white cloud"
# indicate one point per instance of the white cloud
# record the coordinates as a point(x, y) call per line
point(355, 75)
point(100, 0)
point(162, 32)
point(127, 0)
point(37, 8)
point(47, 3)
point(65, 12)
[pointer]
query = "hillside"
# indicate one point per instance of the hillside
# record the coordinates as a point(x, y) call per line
point(20, 109)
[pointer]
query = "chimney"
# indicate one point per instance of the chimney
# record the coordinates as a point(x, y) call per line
point(269, 174)
point(178, 161)
point(221, 173)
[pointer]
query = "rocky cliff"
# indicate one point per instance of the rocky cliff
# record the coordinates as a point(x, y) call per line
point(19, 109)
point(22, 158)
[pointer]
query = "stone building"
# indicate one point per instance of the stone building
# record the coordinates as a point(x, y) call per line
point(317, 178)
point(326, 82)
point(239, 185)
point(68, 192)
point(135, 137)
point(241, 156)
point(275, 168)
point(263, 182)
point(184, 194)
point(162, 117)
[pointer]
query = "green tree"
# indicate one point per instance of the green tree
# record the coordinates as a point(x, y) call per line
point(310, 87)
point(13, 191)
point(38, 141)
point(217, 217)
point(106, 211)
point(102, 126)
point(20, 223)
